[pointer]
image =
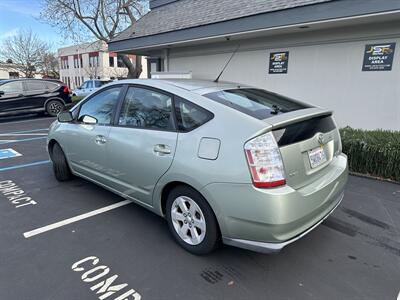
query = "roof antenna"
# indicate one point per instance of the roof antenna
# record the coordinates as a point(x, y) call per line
point(233, 54)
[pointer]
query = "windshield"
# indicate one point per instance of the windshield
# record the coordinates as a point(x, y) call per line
point(257, 103)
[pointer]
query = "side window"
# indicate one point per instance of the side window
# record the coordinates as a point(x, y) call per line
point(146, 109)
point(51, 85)
point(35, 85)
point(89, 84)
point(97, 83)
point(14, 87)
point(101, 106)
point(189, 115)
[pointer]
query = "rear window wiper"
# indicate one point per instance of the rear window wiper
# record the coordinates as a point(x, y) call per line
point(275, 109)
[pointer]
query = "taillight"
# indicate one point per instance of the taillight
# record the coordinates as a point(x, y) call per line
point(265, 161)
point(66, 89)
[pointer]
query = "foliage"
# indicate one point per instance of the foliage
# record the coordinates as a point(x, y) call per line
point(86, 20)
point(28, 54)
point(375, 153)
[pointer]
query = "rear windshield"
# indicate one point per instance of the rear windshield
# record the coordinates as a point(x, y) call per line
point(257, 103)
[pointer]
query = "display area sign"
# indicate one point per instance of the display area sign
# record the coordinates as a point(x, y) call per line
point(278, 62)
point(378, 57)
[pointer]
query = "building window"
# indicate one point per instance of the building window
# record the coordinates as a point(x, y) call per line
point(77, 61)
point(111, 61)
point(13, 75)
point(94, 59)
point(64, 62)
point(120, 62)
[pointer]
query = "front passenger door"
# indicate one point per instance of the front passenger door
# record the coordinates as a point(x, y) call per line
point(142, 145)
point(12, 96)
point(86, 143)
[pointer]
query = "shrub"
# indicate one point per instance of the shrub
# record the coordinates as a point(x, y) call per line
point(76, 98)
point(375, 153)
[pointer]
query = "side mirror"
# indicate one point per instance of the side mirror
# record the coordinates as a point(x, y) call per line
point(65, 116)
point(89, 120)
point(2, 93)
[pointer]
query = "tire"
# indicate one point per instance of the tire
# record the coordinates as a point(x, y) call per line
point(54, 107)
point(60, 165)
point(186, 207)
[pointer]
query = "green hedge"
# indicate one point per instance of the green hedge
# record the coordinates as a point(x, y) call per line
point(375, 153)
point(76, 98)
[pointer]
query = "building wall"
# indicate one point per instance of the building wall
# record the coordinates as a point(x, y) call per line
point(324, 69)
point(75, 76)
point(7, 71)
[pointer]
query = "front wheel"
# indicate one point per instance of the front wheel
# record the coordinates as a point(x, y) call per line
point(54, 107)
point(191, 221)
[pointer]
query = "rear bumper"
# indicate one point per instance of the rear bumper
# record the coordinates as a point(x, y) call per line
point(264, 247)
point(269, 219)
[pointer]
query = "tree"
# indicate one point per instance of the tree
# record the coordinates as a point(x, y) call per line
point(26, 51)
point(85, 20)
point(49, 67)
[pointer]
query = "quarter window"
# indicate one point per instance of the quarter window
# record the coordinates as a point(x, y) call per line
point(190, 116)
point(101, 106)
point(146, 109)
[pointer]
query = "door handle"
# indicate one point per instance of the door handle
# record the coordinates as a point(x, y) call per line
point(100, 140)
point(162, 149)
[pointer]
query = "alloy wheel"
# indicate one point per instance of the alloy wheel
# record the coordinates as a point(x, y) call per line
point(188, 220)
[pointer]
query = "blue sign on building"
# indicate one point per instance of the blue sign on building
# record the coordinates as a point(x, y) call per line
point(8, 153)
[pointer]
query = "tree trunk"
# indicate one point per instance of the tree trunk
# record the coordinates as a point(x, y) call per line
point(133, 71)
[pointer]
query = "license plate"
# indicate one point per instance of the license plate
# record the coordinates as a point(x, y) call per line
point(317, 157)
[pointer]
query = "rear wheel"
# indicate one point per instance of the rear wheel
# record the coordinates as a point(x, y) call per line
point(191, 221)
point(60, 165)
point(54, 107)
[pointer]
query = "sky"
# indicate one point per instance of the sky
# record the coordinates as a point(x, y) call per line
point(18, 15)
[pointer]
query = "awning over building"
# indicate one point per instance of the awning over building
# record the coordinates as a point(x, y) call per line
point(181, 22)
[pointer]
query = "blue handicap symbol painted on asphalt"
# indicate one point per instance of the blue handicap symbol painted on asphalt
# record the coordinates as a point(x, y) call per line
point(8, 153)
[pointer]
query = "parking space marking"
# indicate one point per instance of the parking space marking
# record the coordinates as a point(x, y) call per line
point(103, 288)
point(27, 121)
point(21, 134)
point(25, 165)
point(75, 219)
point(26, 131)
point(22, 140)
point(8, 153)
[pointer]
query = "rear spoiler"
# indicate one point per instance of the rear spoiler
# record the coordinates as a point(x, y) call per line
point(285, 119)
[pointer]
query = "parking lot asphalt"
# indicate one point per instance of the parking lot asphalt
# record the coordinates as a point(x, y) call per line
point(354, 254)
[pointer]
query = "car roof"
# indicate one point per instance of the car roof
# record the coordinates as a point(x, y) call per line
point(24, 79)
point(198, 86)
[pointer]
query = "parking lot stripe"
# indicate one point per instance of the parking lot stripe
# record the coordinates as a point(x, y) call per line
point(25, 165)
point(75, 219)
point(23, 140)
point(27, 131)
point(21, 134)
point(27, 121)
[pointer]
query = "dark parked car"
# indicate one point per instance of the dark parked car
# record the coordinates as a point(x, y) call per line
point(19, 96)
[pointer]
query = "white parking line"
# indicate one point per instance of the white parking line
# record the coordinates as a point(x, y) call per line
point(21, 134)
point(27, 121)
point(75, 219)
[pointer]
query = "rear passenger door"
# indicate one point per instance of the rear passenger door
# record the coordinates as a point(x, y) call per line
point(35, 94)
point(142, 143)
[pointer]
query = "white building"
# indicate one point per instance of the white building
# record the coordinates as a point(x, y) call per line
point(86, 61)
point(10, 71)
point(342, 55)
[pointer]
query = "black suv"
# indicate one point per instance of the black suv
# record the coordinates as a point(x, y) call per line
point(33, 95)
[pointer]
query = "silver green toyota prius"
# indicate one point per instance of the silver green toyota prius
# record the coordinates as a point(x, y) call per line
point(220, 161)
